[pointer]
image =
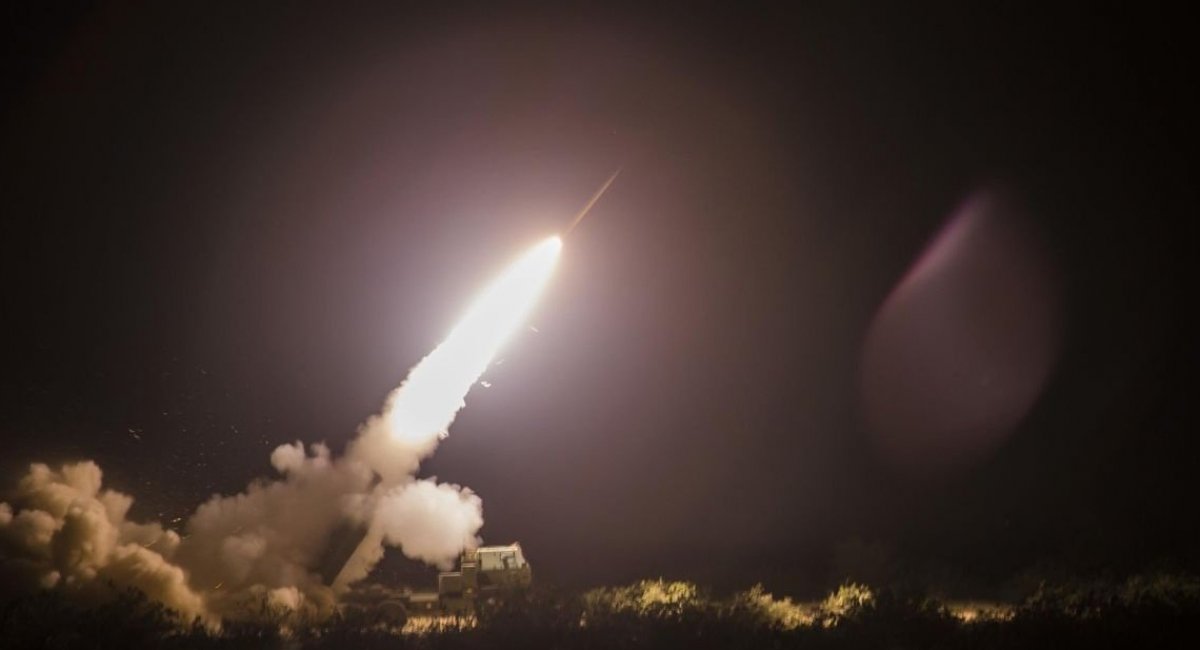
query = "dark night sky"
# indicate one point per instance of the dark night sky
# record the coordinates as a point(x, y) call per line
point(228, 228)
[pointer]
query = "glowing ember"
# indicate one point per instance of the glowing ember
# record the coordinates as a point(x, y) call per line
point(426, 404)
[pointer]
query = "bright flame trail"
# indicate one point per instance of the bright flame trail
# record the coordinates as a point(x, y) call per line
point(423, 408)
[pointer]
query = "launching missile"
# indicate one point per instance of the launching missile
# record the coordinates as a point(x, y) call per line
point(591, 202)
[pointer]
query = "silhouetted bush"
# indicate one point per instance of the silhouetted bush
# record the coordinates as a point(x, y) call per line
point(51, 619)
point(1145, 611)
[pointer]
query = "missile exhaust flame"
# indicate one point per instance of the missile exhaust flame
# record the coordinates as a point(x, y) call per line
point(423, 408)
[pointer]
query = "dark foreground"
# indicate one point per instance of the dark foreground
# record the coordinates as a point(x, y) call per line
point(1143, 612)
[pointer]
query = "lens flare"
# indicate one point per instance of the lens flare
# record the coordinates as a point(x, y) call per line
point(424, 407)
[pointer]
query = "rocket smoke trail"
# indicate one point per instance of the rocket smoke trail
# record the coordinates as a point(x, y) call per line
point(420, 412)
point(258, 553)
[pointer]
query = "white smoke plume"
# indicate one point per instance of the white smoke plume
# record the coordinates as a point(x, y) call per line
point(264, 546)
point(68, 532)
point(262, 549)
point(62, 529)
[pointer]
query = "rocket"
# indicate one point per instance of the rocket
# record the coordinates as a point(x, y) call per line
point(591, 202)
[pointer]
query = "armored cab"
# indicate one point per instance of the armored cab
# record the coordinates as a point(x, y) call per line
point(483, 574)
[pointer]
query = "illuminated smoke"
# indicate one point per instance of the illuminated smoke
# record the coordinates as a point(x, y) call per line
point(67, 532)
point(263, 546)
point(419, 413)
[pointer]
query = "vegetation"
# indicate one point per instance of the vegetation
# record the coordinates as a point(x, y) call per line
point(1145, 611)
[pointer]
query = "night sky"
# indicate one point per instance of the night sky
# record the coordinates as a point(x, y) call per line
point(225, 228)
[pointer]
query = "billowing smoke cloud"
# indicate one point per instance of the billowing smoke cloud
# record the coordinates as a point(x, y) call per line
point(62, 529)
point(263, 546)
point(68, 532)
point(425, 518)
point(268, 544)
